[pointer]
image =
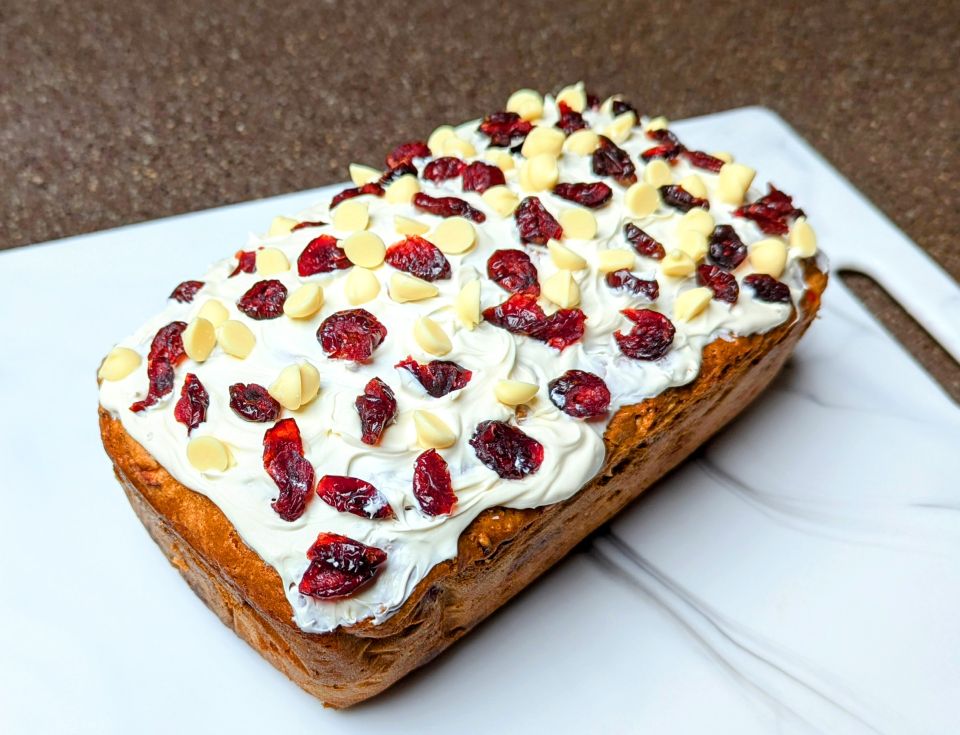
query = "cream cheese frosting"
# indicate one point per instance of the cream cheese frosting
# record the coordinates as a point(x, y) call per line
point(330, 427)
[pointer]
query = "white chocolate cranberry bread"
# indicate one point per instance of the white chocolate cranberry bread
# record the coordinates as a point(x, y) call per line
point(363, 434)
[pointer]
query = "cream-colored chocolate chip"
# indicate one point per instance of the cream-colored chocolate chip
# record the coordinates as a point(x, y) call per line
point(564, 257)
point(281, 226)
point(501, 200)
point(694, 184)
point(561, 289)
point(691, 303)
point(214, 312)
point(432, 431)
point(802, 238)
point(364, 249)
point(199, 339)
point(539, 173)
point(360, 174)
point(657, 123)
point(515, 392)
point(658, 173)
point(527, 103)
point(352, 215)
point(408, 226)
point(271, 261)
point(677, 264)
point(431, 337)
point(208, 454)
point(573, 97)
point(733, 182)
point(768, 256)
point(304, 302)
point(621, 127)
point(118, 364)
point(499, 158)
point(616, 259)
point(467, 304)
point(286, 389)
point(693, 243)
point(438, 138)
point(402, 190)
point(361, 286)
point(309, 383)
point(236, 338)
point(454, 235)
point(457, 146)
point(581, 142)
point(642, 199)
point(697, 220)
point(543, 139)
point(407, 288)
point(578, 224)
point(723, 156)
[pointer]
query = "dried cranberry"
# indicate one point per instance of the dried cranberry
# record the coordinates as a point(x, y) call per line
point(666, 151)
point(570, 120)
point(377, 407)
point(642, 242)
point(611, 160)
point(513, 271)
point(264, 300)
point(307, 223)
point(294, 477)
point(480, 176)
point(392, 174)
point(339, 566)
point(444, 168)
point(447, 207)
point(626, 282)
point(650, 338)
point(252, 402)
point(767, 288)
point(283, 436)
point(676, 196)
point(352, 495)
point(166, 352)
point(246, 262)
point(506, 450)
point(726, 248)
point(432, 486)
point(723, 284)
point(419, 257)
point(535, 223)
point(703, 160)
point(185, 292)
point(371, 188)
point(521, 314)
point(322, 255)
point(580, 394)
point(587, 195)
point(665, 136)
point(406, 152)
point(352, 334)
point(771, 212)
point(505, 129)
point(621, 106)
point(191, 409)
point(438, 377)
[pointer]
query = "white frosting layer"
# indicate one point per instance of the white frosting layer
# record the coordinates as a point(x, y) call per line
point(414, 542)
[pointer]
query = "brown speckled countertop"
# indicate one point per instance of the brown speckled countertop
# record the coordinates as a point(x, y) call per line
point(112, 113)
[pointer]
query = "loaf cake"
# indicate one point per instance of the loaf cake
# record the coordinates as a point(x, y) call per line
point(378, 421)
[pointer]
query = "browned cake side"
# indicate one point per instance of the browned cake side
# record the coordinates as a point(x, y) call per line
point(501, 552)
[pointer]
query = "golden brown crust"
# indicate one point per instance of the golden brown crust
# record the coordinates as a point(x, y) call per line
point(498, 554)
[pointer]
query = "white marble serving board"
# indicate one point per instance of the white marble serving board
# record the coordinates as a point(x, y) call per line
point(801, 574)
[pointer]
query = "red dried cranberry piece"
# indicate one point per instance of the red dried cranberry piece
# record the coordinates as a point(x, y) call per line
point(185, 292)
point(191, 409)
point(294, 477)
point(726, 248)
point(166, 352)
point(352, 334)
point(535, 223)
point(665, 151)
point(246, 262)
point(676, 196)
point(665, 136)
point(419, 257)
point(767, 288)
point(392, 174)
point(377, 407)
point(570, 120)
point(771, 212)
point(406, 152)
point(264, 300)
point(611, 160)
point(322, 255)
point(621, 106)
point(642, 242)
point(281, 437)
point(506, 450)
point(580, 394)
point(587, 195)
point(723, 284)
point(650, 338)
point(505, 129)
point(521, 314)
point(703, 160)
point(447, 207)
point(480, 176)
point(307, 223)
point(353, 495)
point(371, 188)
point(339, 566)
point(252, 402)
point(432, 486)
point(626, 282)
point(438, 377)
point(443, 168)
point(513, 271)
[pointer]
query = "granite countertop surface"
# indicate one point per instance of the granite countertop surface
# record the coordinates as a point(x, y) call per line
point(115, 113)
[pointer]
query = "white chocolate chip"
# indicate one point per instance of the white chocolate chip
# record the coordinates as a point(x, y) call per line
point(677, 264)
point(768, 256)
point(364, 249)
point(214, 312)
point(467, 304)
point(693, 243)
point(698, 220)
point(733, 182)
point(616, 259)
point(360, 174)
point(515, 392)
point(352, 215)
point(543, 139)
point(527, 103)
point(431, 337)
point(199, 339)
point(501, 200)
point(621, 127)
point(657, 123)
point(454, 235)
point(286, 389)
point(564, 257)
point(539, 173)
point(361, 286)
point(304, 302)
point(271, 261)
point(573, 97)
point(499, 158)
point(236, 338)
point(402, 190)
point(561, 289)
point(578, 224)
point(694, 184)
point(432, 431)
point(438, 138)
point(658, 173)
point(457, 146)
point(407, 288)
point(581, 142)
point(118, 364)
point(691, 303)
point(281, 226)
point(642, 199)
point(802, 238)
point(309, 383)
point(208, 454)
point(408, 226)
point(723, 156)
